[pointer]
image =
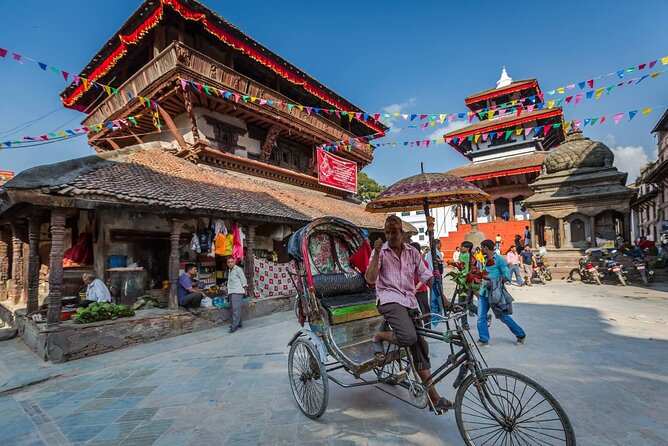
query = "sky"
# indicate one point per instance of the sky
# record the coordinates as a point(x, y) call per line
point(411, 57)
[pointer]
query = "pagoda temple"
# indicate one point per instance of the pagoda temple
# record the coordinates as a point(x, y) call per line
point(506, 149)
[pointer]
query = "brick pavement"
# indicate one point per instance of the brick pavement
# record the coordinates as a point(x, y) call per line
point(589, 345)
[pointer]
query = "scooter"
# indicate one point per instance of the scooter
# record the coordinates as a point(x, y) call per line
point(588, 271)
point(646, 274)
point(615, 268)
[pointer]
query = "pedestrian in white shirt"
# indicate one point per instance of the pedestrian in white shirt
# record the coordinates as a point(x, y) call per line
point(236, 290)
point(455, 256)
point(96, 290)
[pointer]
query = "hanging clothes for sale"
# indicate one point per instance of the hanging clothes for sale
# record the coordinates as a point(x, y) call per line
point(237, 248)
point(194, 244)
point(221, 244)
point(219, 227)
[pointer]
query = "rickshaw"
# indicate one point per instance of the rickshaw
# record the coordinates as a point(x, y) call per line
point(337, 310)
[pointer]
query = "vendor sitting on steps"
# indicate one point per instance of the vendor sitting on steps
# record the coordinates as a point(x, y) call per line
point(189, 294)
point(392, 268)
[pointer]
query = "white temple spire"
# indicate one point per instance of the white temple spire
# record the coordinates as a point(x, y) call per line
point(504, 80)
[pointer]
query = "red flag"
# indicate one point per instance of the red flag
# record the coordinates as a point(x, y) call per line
point(546, 129)
point(3, 52)
point(590, 82)
point(65, 74)
point(602, 120)
point(641, 66)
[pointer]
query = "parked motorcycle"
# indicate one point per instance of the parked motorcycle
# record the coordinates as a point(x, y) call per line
point(615, 268)
point(538, 273)
point(588, 271)
point(646, 274)
point(541, 261)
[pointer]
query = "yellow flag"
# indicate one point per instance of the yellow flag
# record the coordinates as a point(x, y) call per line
point(476, 138)
point(490, 114)
point(653, 75)
point(518, 132)
point(396, 114)
point(550, 104)
point(599, 92)
point(567, 125)
point(300, 107)
point(560, 90)
point(664, 60)
point(442, 117)
point(647, 110)
point(107, 89)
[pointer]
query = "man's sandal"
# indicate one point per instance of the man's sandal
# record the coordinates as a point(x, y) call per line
point(442, 406)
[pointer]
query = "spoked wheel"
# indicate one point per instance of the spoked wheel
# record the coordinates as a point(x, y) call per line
point(598, 278)
point(510, 408)
point(308, 378)
point(541, 277)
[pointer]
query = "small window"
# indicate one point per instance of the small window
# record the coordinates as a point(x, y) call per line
point(419, 212)
point(405, 214)
point(421, 238)
point(421, 230)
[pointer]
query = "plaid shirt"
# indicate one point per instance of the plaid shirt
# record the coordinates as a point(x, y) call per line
point(395, 276)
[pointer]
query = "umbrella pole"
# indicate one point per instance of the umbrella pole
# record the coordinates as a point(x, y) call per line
point(432, 249)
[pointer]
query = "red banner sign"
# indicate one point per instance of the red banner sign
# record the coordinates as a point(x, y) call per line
point(337, 172)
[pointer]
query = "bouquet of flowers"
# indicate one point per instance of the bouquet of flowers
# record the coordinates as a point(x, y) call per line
point(467, 281)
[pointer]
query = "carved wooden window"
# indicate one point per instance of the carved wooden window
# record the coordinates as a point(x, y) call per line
point(225, 136)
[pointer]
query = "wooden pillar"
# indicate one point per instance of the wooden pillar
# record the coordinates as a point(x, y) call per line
point(174, 236)
point(249, 268)
point(560, 233)
point(459, 214)
point(33, 262)
point(56, 267)
point(493, 211)
point(18, 266)
point(4, 264)
point(592, 229)
point(511, 209)
point(534, 234)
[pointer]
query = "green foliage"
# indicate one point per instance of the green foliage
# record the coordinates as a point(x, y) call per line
point(367, 188)
point(101, 312)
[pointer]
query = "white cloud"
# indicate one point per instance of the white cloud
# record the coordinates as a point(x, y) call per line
point(397, 108)
point(449, 127)
point(609, 140)
point(630, 159)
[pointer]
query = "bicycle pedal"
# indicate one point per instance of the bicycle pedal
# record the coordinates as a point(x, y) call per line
point(401, 376)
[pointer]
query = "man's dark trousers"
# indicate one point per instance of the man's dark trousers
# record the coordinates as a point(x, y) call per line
point(192, 300)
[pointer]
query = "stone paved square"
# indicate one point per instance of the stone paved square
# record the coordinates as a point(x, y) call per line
point(599, 350)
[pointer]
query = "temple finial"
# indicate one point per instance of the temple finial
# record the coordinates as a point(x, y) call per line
point(504, 80)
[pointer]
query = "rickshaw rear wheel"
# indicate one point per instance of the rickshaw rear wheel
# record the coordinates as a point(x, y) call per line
point(308, 378)
point(508, 407)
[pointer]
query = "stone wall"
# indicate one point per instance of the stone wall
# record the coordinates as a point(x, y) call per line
point(73, 341)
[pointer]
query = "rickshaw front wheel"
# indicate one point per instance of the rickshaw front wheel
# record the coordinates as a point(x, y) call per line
point(308, 378)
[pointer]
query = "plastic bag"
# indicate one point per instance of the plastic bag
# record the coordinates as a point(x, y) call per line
point(206, 303)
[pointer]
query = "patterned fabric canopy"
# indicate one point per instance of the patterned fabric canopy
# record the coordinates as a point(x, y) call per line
point(439, 189)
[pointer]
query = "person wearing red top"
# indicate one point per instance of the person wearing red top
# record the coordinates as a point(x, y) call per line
point(422, 290)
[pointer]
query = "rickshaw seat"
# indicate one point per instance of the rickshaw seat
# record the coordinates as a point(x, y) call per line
point(345, 297)
point(351, 307)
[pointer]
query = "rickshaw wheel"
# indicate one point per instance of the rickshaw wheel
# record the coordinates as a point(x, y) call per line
point(508, 407)
point(308, 378)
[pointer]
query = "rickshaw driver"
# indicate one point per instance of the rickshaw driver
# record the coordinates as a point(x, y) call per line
point(392, 268)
